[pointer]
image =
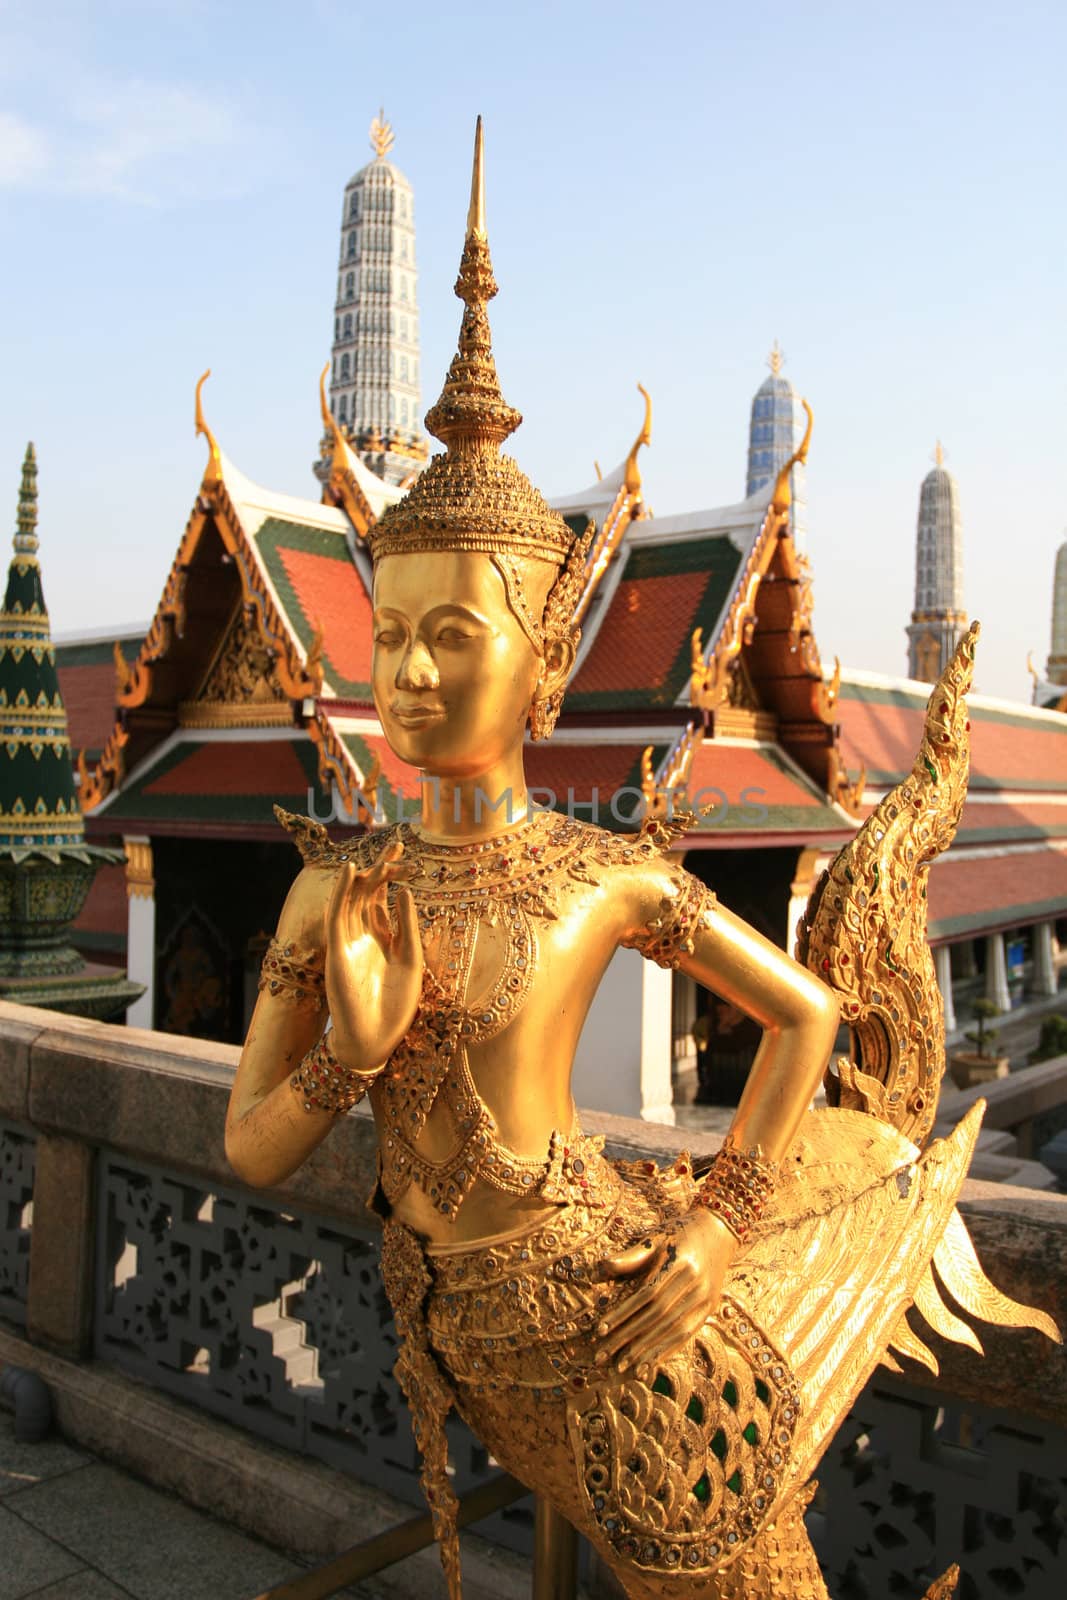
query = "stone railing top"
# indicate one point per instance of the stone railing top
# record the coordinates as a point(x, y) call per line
point(161, 1099)
point(1011, 1100)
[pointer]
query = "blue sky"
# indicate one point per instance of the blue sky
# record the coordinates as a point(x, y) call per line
point(669, 190)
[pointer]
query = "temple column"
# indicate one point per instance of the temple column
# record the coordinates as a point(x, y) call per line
point(943, 968)
point(140, 928)
point(966, 960)
point(623, 1060)
point(996, 972)
point(1046, 978)
point(684, 1007)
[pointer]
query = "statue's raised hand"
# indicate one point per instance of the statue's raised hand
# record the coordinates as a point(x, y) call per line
point(373, 962)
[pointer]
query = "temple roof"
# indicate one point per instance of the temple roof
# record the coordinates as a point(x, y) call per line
point(672, 575)
point(216, 776)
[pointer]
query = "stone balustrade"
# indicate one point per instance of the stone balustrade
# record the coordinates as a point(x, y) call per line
point(235, 1345)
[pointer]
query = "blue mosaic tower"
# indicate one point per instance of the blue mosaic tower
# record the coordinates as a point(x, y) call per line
point(775, 430)
point(938, 620)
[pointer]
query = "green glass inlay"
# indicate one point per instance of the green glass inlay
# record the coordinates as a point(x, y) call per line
point(662, 1384)
point(762, 1392)
point(718, 1444)
point(702, 1488)
point(751, 1434)
point(729, 1392)
point(931, 769)
point(733, 1483)
point(695, 1409)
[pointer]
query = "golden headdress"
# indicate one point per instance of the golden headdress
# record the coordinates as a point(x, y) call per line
point(472, 497)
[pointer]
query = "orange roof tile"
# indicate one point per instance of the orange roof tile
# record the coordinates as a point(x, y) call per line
point(332, 596)
point(970, 895)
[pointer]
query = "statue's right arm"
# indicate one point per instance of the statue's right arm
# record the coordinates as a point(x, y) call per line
point(268, 1132)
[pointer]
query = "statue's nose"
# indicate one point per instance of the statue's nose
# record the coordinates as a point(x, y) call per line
point(417, 669)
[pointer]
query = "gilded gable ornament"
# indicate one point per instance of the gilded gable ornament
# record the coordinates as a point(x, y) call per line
point(241, 688)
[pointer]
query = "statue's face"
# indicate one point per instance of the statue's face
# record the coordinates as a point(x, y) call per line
point(453, 671)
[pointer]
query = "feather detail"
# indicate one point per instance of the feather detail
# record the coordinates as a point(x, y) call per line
point(961, 1272)
point(907, 1342)
point(930, 1305)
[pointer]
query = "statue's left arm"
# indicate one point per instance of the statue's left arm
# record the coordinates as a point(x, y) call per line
point(677, 922)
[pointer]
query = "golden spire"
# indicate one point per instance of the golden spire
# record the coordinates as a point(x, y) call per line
point(25, 540)
point(472, 497)
point(382, 137)
point(939, 453)
point(214, 470)
point(775, 359)
point(472, 414)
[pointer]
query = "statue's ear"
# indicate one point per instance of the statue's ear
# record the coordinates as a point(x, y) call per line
point(560, 652)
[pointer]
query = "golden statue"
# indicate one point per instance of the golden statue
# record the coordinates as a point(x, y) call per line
point(663, 1355)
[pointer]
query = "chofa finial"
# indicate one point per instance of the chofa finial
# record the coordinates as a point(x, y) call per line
point(782, 497)
point(214, 457)
point(775, 359)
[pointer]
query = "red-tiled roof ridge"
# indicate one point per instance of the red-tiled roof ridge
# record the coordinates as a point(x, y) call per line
point(237, 508)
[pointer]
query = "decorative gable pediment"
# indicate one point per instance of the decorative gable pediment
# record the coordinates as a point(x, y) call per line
point(241, 687)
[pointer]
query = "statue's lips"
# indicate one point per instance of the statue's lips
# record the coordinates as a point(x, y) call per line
point(416, 716)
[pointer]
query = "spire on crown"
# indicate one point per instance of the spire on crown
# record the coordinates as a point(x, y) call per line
point(472, 412)
point(775, 359)
point(472, 497)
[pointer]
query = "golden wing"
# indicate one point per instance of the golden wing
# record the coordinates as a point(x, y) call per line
point(864, 930)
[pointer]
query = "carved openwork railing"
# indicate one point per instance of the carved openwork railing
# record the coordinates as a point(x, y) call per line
point(18, 1148)
point(123, 1239)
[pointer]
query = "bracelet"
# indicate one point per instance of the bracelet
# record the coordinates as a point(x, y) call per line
point(324, 1084)
point(292, 972)
point(738, 1186)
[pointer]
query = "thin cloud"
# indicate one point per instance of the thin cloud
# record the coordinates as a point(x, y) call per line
point(139, 142)
point(24, 154)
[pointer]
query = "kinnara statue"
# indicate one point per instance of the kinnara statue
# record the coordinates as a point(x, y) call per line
point(663, 1355)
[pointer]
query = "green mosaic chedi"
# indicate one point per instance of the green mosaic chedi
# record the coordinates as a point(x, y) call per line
point(46, 865)
point(38, 803)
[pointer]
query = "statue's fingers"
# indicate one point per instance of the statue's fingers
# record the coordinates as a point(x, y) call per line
point(625, 1310)
point(643, 1331)
point(668, 1333)
point(407, 943)
point(387, 863)
point(628, 1263)
point(377, 918)
point(344, 912)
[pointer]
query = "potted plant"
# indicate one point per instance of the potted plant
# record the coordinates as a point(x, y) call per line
point(980, 1065)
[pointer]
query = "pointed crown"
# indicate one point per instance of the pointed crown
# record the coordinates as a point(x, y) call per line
point(472, 497)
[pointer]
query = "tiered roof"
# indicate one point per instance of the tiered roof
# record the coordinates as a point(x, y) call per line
point(698, 681)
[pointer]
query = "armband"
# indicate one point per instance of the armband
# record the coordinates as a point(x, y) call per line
point(737, 1188)
point(669, 936)
point(293, 973)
